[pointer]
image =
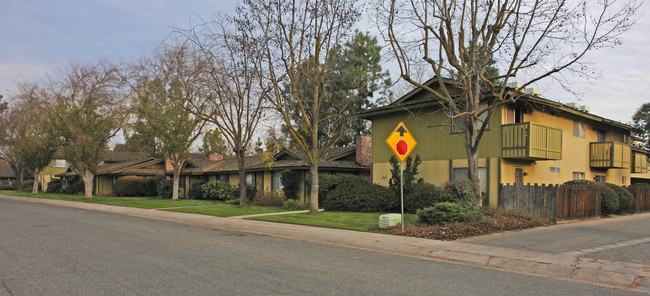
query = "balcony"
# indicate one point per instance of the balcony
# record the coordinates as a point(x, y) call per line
point(609, 155)
point(531, 141)
point(640, 163)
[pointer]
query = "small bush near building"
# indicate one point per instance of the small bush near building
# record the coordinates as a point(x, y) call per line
point(360, 197)
point(219, 190)
point(625, 199)
point(150, 185)
point(28, 185)
point(165, 188)
point(54, 186)
point(328, 182)
point(291, 205)
point(447, 212)
point(462, 193)
point(195, 192)
point(75, 185)
point(423, 195)
point(268, 199)
point(290, 184)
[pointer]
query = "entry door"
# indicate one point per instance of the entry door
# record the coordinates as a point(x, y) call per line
point(519, 176)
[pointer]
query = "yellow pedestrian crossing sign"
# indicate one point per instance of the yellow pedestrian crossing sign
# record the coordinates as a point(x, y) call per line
point(401, 141)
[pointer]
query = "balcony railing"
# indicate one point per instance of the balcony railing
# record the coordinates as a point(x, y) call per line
point(640, 162)
point(609, 155)
point(531, 141)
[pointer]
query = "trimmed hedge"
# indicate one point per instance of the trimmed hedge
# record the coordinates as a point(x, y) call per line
point(328, 182)
point(447, 212)
point(128, 186)
point(360, 197)
point(165, 188)
point(7, 187)
point(75, 186)
point(28, 185)
point(196, 192)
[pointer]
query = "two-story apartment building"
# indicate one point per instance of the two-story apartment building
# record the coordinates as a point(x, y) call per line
point(532, 140)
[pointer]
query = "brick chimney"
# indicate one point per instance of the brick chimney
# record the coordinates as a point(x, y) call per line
point(364, 150)
point(168, 166)
point(215, 156)
point(101, 163)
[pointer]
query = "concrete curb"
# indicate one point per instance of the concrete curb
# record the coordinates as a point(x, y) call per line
point(567, 266)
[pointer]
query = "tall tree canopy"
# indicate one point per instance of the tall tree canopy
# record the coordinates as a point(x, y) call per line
point(527, 40)
point(88, 109)
point(296, 38)
point(641, 124)
point(163, 86)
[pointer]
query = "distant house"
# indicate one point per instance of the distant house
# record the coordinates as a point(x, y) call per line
point(264, 175)
point(531, 140)
point(7, 176)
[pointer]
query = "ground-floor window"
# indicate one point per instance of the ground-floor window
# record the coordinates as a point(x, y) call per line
point(600, 178)
point(624, 180)
point(578, 175)
point(250, 179)
point(276, 180)
point(459, 174)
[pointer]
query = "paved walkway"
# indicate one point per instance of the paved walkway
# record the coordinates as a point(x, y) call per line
point(567, 265)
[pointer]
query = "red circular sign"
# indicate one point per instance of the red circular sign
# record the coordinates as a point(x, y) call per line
point(401, 147)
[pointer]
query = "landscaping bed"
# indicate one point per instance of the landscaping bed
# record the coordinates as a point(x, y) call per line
point(341, 220)
point(494, 220)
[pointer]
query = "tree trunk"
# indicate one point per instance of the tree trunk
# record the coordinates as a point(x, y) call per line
point(37, 174)
point(242, 177)
point(88, 177)
point(313, 199)
point(19, 176)
point(471, 148)
point(177, 175)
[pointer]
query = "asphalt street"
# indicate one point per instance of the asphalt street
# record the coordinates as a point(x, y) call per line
point(50, 250)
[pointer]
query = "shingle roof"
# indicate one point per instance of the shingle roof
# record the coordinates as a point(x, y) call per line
point(6, 173)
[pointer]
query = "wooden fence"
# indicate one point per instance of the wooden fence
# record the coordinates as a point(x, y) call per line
point(641, 197)
point(554, 202)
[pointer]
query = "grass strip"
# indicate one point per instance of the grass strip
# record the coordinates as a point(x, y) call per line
point(339, 220)
point(228, 210)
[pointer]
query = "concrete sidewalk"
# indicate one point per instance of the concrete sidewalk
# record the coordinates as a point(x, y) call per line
point(567, 265)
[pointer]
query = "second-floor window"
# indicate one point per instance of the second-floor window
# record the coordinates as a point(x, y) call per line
point(600, 135)
point(579, 129)
point(59, 163)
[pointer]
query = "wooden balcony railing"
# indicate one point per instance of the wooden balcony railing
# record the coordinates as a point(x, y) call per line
point(609, 155)
point(531, 141)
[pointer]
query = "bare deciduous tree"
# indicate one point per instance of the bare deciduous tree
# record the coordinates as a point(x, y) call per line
point(295, 39)
point(237, 96)
point(164, 85)
point(87, 111)
point(526, 40)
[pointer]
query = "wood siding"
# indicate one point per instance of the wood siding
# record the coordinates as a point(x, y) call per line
point(531, 141)
point(609, 155)
point(640, 163)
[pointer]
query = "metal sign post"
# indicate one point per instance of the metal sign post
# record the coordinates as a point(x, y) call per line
point(401, 142)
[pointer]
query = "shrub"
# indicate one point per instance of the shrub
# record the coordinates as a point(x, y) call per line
point(54, 186)
point(462, 193)
point(291, 205)
point(196, 192)
point(7, 187)
point(129, 186)
point(75, 186)
point(28, 185)
point(150, 185)
point(328, 182)
point(447, 212)
point(608, 200)
point(410, 173)
point(422, 196)
point(269, 199)
point(290, 184)
point(165, 188)
point(251, 192)
point(625, 199)
point(360, 197)
point(219, 190)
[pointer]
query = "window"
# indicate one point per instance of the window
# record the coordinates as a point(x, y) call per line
point(519, 114)
point(625, 139)
point(555, 169)
point(276, 180)
point(578, 175)
point(250, 179)
point(455, 123)
point(59, 163)
point(600, 178)
point(624, 180)
point(600, 135)
point(459, 174)
point(579, 129)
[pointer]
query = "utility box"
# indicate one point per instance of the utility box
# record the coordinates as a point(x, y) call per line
point(388, 220)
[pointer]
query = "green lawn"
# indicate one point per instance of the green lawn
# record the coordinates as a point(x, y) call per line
point(229, 210)
point(341, 220)
point(134, 202)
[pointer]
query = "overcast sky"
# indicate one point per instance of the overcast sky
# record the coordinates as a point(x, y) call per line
point(38, 37)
